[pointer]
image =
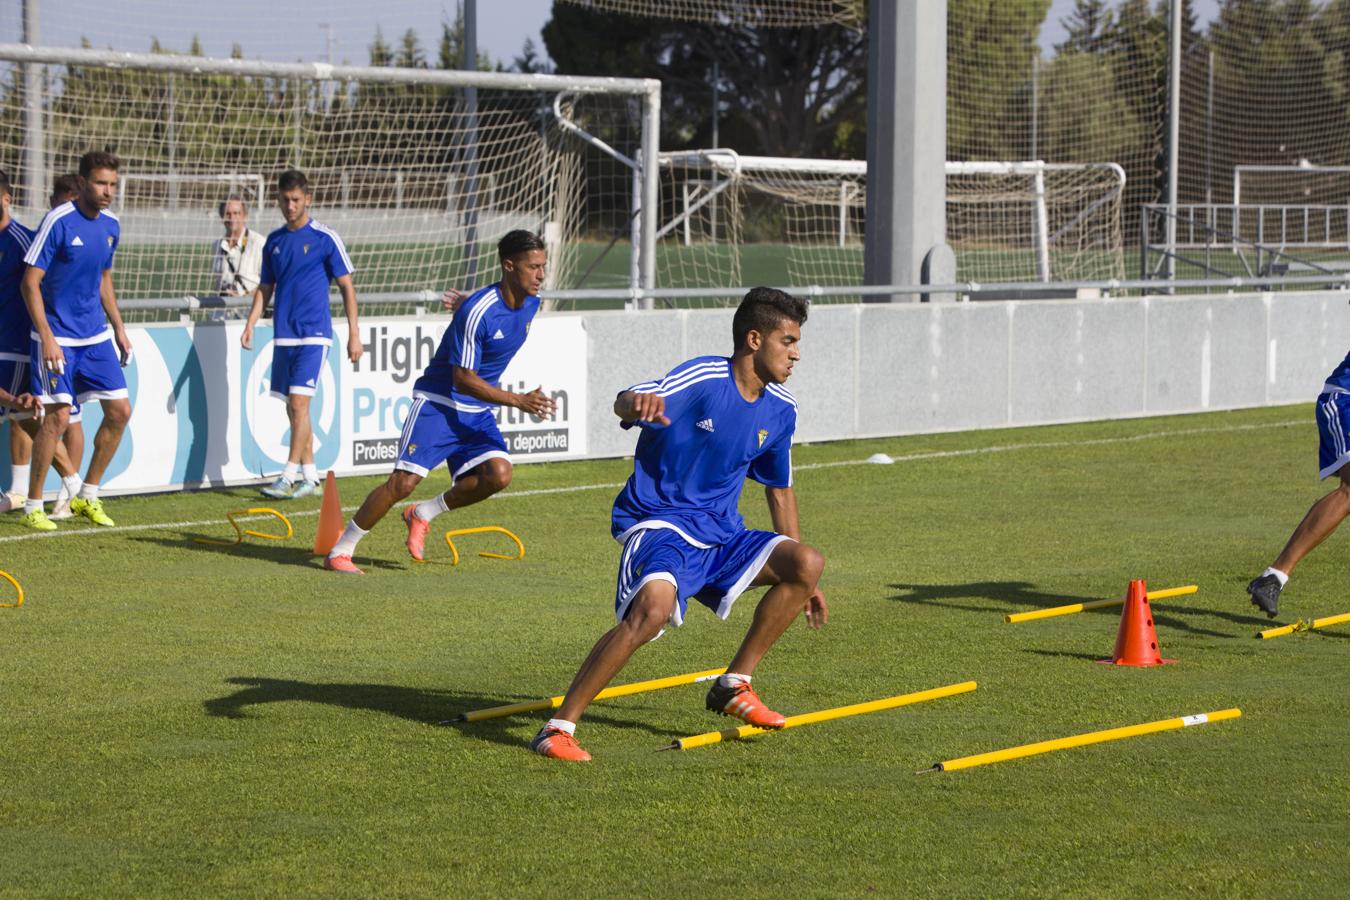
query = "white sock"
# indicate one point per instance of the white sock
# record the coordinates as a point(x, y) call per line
point(31, 505)
point(18, 480)
point(1280, 576)
point(72, 484)
point(562, 725)
point(731, 679)
point(291, 472)
point(88, 491)
point(311, 472)
point(351, 535)
point(430, 509)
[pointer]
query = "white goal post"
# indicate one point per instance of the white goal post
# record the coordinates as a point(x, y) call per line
point(420, 170)
point(1008, 221)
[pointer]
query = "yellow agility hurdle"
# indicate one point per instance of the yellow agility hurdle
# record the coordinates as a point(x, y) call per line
point(824, 715)
point(1081, 740)
point(454, 554)
point(1300, 625)
point(239, 533)
point(1072, 608)
point(18, 601)
point(619, 690)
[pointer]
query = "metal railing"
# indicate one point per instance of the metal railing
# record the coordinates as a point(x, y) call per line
point(1257, 240)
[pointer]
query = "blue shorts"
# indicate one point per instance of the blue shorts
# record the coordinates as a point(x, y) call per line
point(296, 368)
point(92, 372)
point(434, 433)
point(14, 378)
point(1333, 427)
point(715, 576)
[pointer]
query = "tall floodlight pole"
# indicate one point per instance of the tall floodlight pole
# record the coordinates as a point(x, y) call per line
point(35, 158)
point(907, 145)
point(1173, 137)
point(471, 145)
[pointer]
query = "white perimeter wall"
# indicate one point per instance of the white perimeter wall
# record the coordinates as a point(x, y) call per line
point(875, 370)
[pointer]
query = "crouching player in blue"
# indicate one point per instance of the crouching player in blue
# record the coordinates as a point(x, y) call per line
point(1333, 455)
point(706, 426)
point(451, 418)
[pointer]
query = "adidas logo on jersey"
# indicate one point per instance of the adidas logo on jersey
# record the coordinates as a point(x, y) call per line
point(77, 242)
point(498, 336)
point(706, 425)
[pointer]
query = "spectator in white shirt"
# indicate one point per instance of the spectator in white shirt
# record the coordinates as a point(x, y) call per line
point(238, 255)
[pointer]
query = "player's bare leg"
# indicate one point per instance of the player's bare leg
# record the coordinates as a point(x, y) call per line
point(45, 441)
point(302, 429)
point(794, 570)
point(1321, 520)
point(473, 486)
point(116, 415)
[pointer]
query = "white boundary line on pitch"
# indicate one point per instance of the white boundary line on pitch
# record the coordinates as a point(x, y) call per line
point(910, 457)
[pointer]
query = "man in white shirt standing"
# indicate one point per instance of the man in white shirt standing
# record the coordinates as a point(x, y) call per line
point(238, 255)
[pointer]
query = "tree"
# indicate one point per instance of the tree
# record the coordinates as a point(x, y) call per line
point(529, 62)
point(380, 54)
point(786, 87)
point(1086, 27)
point(410, 54)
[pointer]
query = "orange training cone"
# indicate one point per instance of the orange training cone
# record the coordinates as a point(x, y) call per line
point(330, 517)
point(1137, 641)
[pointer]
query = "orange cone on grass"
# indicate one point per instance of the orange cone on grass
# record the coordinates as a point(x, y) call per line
point(330, 517)
point(1137, 640)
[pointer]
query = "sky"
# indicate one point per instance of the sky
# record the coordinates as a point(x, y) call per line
point(295, 31)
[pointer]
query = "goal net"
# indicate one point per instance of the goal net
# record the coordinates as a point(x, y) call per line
point(730, 219)
point(421, 172)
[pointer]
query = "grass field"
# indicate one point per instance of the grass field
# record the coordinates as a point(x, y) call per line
point(181, 719)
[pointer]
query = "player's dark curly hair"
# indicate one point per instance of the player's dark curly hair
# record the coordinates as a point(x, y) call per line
point(763, 310)
point(514, 243)
point(292, 179)
point(98, 159)
point(64, 187)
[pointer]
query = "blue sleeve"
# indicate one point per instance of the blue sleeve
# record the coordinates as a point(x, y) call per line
point(112, 248)
point(40, 254)
point(681, 387)
point(467, 341)
point(266, 276)
point(336, 261)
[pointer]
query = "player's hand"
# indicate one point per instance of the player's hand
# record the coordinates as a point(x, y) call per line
point(53, 358)
point(451, 299)
point(650, 408)
point(537, 403)
point(815, 612)
point(246, 339)
point(354, 346)
point(27, 402)
point(123, 347)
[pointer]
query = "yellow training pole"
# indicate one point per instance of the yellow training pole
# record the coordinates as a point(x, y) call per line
point(1080, 740)
point(1301, 625)
point(619, 690)
point(18, 587)
point(1072, 608)
point(824, 715)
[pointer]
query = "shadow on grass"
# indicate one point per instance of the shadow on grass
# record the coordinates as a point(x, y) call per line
point(257, 548)
point(426, 707)
point(1090, 657)
point(1023, 593)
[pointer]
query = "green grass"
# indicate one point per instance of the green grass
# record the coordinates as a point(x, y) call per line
point(189, 720)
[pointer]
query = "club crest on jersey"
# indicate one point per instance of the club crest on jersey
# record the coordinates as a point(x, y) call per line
point(110, 240)
point(412, 448)
point(763, 433)
point(305, 248)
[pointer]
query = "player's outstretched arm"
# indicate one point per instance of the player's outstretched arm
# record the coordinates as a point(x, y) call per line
point(260, 298)
point(536, 402)
point(107, 294)
point(348, 291)
point(783, 513)
point(451, 299)
point(31, 288)
point(633, 406)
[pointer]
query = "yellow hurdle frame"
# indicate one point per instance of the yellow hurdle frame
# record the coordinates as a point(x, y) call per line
point(18, 587)
point(454, 554)
point(239, 533)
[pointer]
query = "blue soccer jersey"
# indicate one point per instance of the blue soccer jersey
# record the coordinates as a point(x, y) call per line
point(301, 263)
point(688, 475)
point(15, 326)
point(74, 251)
point(1339, 380)
point(483, 337)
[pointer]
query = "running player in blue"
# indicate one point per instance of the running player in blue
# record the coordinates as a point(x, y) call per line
point(79, 345)
point(15, 337)
point(451, 419)
point(1333, 454)
point(299, 261)
point(706, 426)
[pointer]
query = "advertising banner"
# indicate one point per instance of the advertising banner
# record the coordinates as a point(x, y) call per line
point(202, 412)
